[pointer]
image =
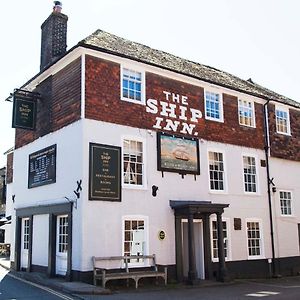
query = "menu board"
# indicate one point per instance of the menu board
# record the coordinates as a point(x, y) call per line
point(105, 172)
point(42, 167)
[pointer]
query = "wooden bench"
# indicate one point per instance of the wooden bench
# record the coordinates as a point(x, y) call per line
point(106, 274)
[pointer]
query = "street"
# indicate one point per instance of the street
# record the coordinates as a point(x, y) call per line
point(12, 288)
point(278, 289)
point(288, 288)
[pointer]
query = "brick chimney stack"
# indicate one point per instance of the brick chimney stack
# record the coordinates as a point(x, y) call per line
point(54, 36)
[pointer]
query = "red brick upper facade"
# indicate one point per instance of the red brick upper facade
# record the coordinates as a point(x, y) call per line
point(103, 103)
point(61, 106)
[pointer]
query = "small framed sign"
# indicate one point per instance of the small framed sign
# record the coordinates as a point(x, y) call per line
point(177, 154)
point(105, 172)
point(42, 167)
point(24, 110)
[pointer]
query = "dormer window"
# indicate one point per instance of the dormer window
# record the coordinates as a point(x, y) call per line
point(132, 85)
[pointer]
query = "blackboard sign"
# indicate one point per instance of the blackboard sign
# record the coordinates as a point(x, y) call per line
point(105, 172)
point(24, 111)
point(42, 167)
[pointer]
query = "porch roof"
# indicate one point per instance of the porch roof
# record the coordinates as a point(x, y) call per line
point(185, 207)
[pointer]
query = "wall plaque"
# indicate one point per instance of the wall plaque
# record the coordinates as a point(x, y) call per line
point(161, 235)
point(42, 167)
point(177, 154)
point(24, 110)
point(105, 172)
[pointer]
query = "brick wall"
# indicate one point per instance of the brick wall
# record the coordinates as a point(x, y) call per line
point(103, 103)
point(285, 146)
point(60, 104)
point(9, 168)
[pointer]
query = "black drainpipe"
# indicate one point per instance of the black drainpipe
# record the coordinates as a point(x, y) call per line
point(274, 267)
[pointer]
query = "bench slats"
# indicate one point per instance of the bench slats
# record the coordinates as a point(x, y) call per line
point(103, 274)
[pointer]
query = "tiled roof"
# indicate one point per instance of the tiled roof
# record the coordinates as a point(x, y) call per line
point(113, 44)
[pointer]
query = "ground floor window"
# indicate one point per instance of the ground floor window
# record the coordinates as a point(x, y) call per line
point(215, 255)
point(254, 238)
point(134, 239)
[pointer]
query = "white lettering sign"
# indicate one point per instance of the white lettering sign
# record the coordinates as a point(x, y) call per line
point(174, 106)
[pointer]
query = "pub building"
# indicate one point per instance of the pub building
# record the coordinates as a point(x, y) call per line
point(136, 151)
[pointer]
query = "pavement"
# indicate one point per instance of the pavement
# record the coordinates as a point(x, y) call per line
point(74, 287)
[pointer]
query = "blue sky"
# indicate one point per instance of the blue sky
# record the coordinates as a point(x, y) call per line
point(258, 38)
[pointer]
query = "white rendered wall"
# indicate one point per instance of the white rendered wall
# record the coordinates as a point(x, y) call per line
point(102, 228)
point(286, 176)
point(40, 240)
point(68, 172)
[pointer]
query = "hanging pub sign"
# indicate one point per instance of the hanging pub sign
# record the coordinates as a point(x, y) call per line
point(42, 167)
point(105, 172)
point(24, 109)
point(177, 154)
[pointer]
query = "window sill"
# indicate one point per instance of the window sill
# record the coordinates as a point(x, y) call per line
point(134, 187)
point(284, 133)
point(256, 257)
point(214, 120)
point(218, 192)
point(141, 102)
point(247, 126)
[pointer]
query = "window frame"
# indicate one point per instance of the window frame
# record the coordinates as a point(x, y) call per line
point(221, 112)
point(144, 174)
point(253, 112)
point(291, 203)
point(227, 221)
point(137, 69)
point(288, 126)
point(262, 253)
point(144, 218)
point(224, 191)
point(256, 174)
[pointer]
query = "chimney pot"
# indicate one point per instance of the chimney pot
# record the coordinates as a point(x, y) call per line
point(57, 6)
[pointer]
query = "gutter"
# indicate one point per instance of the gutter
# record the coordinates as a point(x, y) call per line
point(269, 182)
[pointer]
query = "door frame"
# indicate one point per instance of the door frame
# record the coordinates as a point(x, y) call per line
point(57, 255)
point(202, 258)
point(52, 211)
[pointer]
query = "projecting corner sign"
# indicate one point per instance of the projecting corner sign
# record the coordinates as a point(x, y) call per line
point(174, 114)
point(24, 109)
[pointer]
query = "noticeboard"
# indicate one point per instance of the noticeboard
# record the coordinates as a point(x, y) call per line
point(42, 167)
point(24, 110)
point(105, 172)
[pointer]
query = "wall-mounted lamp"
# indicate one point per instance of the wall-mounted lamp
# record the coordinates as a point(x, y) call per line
point(274, 189)
point(154, 190)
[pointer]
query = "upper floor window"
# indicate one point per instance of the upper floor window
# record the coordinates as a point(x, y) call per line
point(285, 203)
point(133, 162)
point(215, 254)
point(282, 120)
point(254, 238)
point(246, 113)
point(250, 180)
point(216, 171)
point(132, 85)
point(213, 106)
